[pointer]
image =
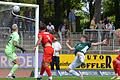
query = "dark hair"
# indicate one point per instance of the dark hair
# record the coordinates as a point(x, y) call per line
point(84, 36)
point(43, 27)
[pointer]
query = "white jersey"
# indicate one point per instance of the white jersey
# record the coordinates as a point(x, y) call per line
point(50, 27)
point(57, 46)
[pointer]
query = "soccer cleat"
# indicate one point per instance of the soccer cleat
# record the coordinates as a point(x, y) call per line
point(59, 73)
point(39, 78)
point(13, 76)
point(10, 77)
point(114, 77)
point(118, 78)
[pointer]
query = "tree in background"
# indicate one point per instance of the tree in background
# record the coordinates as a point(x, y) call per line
point(117, 12)
point(58, 6)
point(41, 7)
point(97, 11)
point(91, 8)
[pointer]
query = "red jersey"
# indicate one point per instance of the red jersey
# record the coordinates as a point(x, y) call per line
point(46, 37)
point(118, 57)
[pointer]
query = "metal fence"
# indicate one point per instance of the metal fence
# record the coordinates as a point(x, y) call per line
point(99, 35)
point(28, 40)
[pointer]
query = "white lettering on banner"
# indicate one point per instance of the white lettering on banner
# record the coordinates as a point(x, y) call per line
point(29, 61)
point(3, 61)
point(10, 63)
point(22, 59)
point(26, 61)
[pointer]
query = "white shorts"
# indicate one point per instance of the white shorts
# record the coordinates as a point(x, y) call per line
point(77, 61)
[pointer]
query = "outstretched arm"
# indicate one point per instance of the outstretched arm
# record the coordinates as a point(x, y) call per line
point(39, 41)
point(19, 47)
point(68, 45)
point(104, 42)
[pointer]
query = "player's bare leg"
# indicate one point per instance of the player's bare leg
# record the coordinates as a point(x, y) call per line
point(48, 70)
point(14, 68)
point(45, 67)
point(118, 71)
point(41, 71)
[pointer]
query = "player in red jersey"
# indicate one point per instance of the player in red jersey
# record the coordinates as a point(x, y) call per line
point(116, 61)
point(116, 66)
point(46, 39)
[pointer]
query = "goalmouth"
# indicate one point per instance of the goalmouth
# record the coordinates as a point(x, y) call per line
point(36, 27)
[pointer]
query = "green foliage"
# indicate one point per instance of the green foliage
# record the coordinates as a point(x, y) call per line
point(73, 4)
point(48, 10)
point(108, 8)
point(112, 18)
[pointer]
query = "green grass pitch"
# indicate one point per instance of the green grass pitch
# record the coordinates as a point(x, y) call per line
point(67, 78)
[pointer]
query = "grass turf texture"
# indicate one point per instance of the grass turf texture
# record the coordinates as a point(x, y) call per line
point(67, 78)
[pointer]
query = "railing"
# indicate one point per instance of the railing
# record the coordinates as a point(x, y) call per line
point(28, 40)
point(98, 35)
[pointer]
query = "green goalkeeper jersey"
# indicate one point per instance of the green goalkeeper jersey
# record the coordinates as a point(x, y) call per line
point(13, 37)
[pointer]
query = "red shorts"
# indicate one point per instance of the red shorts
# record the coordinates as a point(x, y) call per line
point(48, 53)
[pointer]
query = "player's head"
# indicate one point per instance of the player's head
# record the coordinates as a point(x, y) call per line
point(43, 28)
point(14, 28)
point(55, 38)
point(117, 33)
point(83, 38)
point(50, 23)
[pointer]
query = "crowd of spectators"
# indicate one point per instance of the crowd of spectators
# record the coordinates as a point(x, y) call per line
point(106, 26)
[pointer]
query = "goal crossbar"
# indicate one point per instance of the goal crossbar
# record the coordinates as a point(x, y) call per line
point(19, 4)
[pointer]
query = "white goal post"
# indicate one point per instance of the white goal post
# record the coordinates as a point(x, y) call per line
point(36, 27)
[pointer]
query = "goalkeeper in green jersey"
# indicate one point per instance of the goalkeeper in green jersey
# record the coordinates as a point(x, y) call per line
point(12, 44)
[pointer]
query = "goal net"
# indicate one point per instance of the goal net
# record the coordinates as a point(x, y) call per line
point(27, 20)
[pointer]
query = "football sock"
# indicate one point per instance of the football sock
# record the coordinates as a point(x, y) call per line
point(42, 70)
point(74, 73)
point(50, 77)
point(14, 68)
point(48, 70)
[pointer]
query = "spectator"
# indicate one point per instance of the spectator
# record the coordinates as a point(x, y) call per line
point(63, 31)
point(50, 28)
point(109, 28)
point(92, 27)
point(93, 24)
point(72, 20)
point(28, 23)
point(16, 18)
point(113, 27)
point(41, 23)
point(106, 20)
point(55, 60)
point(100, 25)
